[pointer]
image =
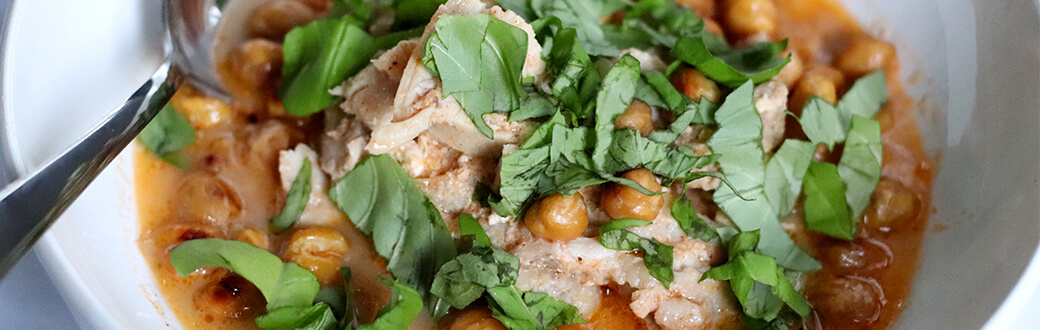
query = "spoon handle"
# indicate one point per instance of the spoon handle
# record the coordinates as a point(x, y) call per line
point(31, 204)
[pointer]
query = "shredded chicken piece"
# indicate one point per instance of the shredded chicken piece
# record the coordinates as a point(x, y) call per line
point(771, 102)
point(320, 209)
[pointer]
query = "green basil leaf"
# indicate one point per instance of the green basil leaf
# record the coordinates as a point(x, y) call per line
point(404, 305)
point(860, 164)
point(584, 17)
point(521, 171)
point(478, 62)
point(759, 62)
point(315, 317)
point(784, 174)
point(745, 241)
point(282, 284)
point(464, 279)
point(167, 133)
point(825, 208)
point(468, 226)
point(865, 98)
point(406, 229)
point(822, 123)
point(412, 13)
point(322, 54)
point(535, 106)
point(760, 286)
point(657, 257)
point(298, 196)
point(530, 310)
point(614, 98)
point(738, 142)
point(664, 21)
point(692, 224)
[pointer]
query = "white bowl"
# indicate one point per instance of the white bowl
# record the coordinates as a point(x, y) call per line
point(977, 69)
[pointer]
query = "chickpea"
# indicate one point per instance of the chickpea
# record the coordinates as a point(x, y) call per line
point(748, 17)
point(164, 238)
point(202, 111)
point(855, 299)
point(556, 217)
point(206, 197)
point(252, 68)
point(638, 117)
point(860, 256)
point(620, 201)
point(792, 71)
point(273, 137)
point(229, 295)
point(273, 19)
point(812, 84)
point(472, 318)
point(713, 27)
point(696, 86)
point(891, 204)
point(864, 56)
point(319, 6)
point(255, 237)
point(320, 250)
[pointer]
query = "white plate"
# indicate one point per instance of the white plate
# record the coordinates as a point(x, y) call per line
point(66, 66)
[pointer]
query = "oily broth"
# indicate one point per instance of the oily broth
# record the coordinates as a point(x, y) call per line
point(230, 154)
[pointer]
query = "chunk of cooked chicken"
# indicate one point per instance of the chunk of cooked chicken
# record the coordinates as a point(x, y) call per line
point(320, 209)
point(771, 102)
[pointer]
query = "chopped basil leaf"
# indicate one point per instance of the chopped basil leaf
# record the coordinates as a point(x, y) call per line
point(412, 13)
point(865, 98)
point(784, 174)
point(821, 122)
point(296, 201)
point(322, 54)
point(657, 256)
point(758, 282)
point(468, 226)
point(860, 164)
point(738, 142)
point(613, 99)
point(167, 133)
point(282, 284)
point(479, 61)
point(825, 208)
point(584, 17)
point(664, 21)
point(692, 224)
point(759, 62)
point(348, 316)
point(828, 124)
point(398, 313)
point(314, 317)
point(464, 279)
point(406, 229)
point(535, 106)
point(530, 310)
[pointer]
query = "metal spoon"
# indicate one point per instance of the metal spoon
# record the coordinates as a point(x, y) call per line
point(31, 204)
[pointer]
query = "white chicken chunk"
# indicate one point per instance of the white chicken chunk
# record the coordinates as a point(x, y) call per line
point(771, 102)
point(320, 209)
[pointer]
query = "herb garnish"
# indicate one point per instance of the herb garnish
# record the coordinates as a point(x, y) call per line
point(657, 256)
point(323, 53)
point(168, 133)
point(758, 282)
point(406, 229)
point(296, 200)
point(479, 60)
